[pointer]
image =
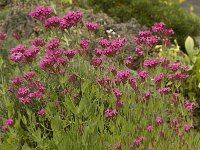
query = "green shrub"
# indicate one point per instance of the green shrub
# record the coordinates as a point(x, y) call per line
point(149, 11)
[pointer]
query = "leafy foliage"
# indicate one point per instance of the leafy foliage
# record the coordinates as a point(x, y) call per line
point(147, 12)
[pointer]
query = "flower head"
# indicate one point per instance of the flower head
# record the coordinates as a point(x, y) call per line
point(41, 112)
point(41, 13)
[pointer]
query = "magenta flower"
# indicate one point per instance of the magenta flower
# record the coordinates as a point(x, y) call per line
point(175, 122)
point(70, 19)
point(22, 54)
point(129, 62)
point(96, 62)
point(17, 81)
point(150, 128)
point(119, 103)
point(23, 92)
point(152, 41)
point(164, 91)
point(139, 141)
point(122, 76)
point(41, 13)
point(159, 120)
point(174, 67)
point(54, 44)
point(29, 76)
point(104, 43)
point(151, 63)
point(70, 53)
point(41, 112)
point(9, 123)
point(158, 27)
point(85, 44)
point(133, 82)
point(117, 146)
point(98, 52)
point(52, 22)
point(143, 74)
point(25, 100)
point(189, 105)
point(187, 128)
point(38, 42)
point(111, 113)
point(146, 97)
point(159, 78)
point(3, 36)
point(145, 34)
point(118, 94)
point(93, 26)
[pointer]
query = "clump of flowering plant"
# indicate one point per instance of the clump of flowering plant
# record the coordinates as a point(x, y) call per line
point(72, 91)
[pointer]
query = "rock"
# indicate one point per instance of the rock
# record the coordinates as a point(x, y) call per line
point(194, 4)
point(18, 21)
point(3, 3)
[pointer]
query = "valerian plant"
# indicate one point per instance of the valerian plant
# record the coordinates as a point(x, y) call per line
point(73, 91)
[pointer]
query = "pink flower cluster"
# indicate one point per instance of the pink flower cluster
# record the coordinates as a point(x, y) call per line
point(35, 89)
point(52, 22)
point(188, 127)
point(38, 42)
point(143, 74)
point(117, 146)
point(151, 63)
point(122, 76)
point(161, 28)
point(150, 128)
point(133, 82)
point(159, 78)
point(41, 13)
point(9, 123)
point(146, 96)
point(164, 91)
point(92, 26)
point(189, 106)
point(98, 52)
point(178, 76)
point(137, 142)
point(85, 44)
point(70, 53)
point(104, 42)
point(96, 62)
point(118, 94)
point(41, 112)
point(129, 62)
point(139, 51)
point(22, 54)
point(147, 39)
point(112, 47)
point(70, 19)
point(174, 67)
point(111, 113)
point(159, 120)
point(54, 59)
point(3, 36)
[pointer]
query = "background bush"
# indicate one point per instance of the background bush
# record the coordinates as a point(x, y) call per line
point(149, 11)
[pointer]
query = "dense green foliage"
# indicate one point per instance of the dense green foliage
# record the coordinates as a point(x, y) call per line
point(148, 12)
